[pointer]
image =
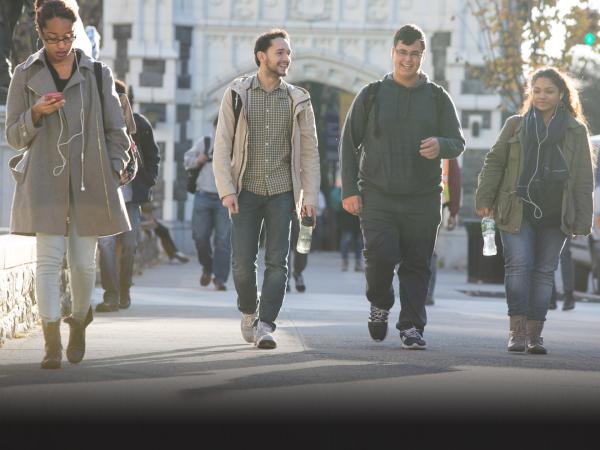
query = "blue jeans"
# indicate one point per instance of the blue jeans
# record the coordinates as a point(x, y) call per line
point(211, 216)
point(530, 259)
point(276, 212)
point(116, 276)
point(351, 237)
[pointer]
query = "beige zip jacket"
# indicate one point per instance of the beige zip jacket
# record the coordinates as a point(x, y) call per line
point(84, 171)
point(229, 166)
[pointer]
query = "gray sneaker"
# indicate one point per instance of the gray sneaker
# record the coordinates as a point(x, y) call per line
point(247, 327)
point(412, 339)
point(262, 336)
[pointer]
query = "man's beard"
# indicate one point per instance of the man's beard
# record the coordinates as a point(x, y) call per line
point(273, 69)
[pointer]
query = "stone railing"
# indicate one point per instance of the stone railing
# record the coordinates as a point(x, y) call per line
point(18, 305)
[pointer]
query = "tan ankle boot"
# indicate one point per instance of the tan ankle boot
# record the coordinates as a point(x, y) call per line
point(535, 341)
point(517, 335)
point(52, 345)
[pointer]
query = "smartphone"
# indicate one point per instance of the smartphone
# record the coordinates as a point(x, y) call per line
point(56, 96)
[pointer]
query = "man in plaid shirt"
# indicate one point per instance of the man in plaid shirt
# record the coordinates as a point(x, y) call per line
point(266, 166)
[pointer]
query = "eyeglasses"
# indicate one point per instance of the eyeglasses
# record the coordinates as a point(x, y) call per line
point(403, 54)
point(55, 41)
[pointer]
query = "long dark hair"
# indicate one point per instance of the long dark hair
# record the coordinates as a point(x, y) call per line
point(49, 9)
point(565, 85)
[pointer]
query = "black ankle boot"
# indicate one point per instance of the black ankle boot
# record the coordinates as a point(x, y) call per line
point(76, 346)
point(52, 345)
point(569, 302)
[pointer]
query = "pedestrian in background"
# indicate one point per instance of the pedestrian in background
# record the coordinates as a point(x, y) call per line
point(265, 162)
point(450, 200)
point(164, 235)
point(537, 182)
point(349, 227)
point(395, 135)
point(116, 268)
point(567, 272)
point(67, 176)
point(210, 219)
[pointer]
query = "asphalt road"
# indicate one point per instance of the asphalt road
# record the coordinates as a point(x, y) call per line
point(177, 354)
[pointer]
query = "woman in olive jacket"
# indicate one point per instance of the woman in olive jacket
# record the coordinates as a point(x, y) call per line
point(72, 149)
point(537, 182)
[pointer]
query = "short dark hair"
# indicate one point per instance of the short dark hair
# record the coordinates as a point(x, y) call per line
point(46, 10)
point(120, 87)
point(409, 34)
point(263, 42)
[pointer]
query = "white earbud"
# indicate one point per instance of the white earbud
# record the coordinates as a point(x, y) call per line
point(537, 211)
point(58, 170)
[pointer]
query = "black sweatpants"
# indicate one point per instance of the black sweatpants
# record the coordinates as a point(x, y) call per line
point(400, 230)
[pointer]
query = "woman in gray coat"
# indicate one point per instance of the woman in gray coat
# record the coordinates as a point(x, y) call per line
point(72, 151)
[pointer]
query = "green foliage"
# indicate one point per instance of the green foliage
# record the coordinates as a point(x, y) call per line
point(516, 33)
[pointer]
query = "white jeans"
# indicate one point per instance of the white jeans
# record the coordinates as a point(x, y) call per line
point(81, 259)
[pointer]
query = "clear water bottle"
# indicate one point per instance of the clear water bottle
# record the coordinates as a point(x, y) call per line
point(488, 231)
point(305, 235)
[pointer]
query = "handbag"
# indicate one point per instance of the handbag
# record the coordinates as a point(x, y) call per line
point(192, 174)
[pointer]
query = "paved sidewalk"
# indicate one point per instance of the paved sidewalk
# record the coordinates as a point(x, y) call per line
point(178, 353)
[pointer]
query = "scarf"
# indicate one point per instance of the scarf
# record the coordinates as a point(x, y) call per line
point(549, 168)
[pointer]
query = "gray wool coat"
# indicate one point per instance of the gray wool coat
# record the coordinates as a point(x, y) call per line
point(83, 171)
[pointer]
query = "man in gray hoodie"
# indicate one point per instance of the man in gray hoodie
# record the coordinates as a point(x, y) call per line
point(396, 133)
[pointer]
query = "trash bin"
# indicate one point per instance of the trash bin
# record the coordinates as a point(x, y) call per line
point(482, 269)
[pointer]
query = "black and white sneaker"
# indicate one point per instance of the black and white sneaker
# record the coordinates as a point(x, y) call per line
point(378, 323)
point(412, 339)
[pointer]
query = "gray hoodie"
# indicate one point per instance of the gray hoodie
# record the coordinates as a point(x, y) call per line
point(391, 134)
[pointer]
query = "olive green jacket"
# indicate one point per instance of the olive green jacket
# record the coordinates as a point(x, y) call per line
point(497, 183)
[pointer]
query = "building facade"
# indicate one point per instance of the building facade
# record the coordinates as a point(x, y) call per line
point(179, 55)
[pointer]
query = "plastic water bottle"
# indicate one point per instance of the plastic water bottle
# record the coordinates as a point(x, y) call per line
point(305, 235)
point(488, 231)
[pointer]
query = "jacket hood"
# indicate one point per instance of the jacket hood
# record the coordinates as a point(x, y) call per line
point(423, 80)
point(572, 123)
point(242, 84)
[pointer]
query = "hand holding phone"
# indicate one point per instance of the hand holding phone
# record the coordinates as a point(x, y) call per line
point(47, 104)
point(54, 96)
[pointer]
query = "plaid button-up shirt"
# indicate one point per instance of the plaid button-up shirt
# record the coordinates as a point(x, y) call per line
point(268, 169)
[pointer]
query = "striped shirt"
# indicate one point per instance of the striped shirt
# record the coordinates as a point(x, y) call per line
point(268, 169)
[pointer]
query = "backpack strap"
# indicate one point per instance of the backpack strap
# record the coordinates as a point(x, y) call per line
point(207, 140)
point(236, 103)
point(371, 95)
point(371, 92)
point(98, 73)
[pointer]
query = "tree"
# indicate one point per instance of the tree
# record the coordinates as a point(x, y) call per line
point(515, 34)
point(24, 42)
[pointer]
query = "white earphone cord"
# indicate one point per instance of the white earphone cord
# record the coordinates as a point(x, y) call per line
point(58, 170)
point(536, 208)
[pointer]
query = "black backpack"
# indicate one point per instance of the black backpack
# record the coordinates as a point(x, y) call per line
point(135, 159)
point(192, 174)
